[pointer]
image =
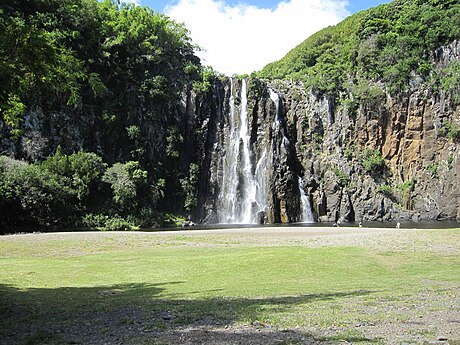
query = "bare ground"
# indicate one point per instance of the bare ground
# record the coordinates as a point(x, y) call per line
point(429, 317)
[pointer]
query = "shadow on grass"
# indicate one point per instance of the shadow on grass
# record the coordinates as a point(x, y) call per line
point(350, 337)
point(136, 314)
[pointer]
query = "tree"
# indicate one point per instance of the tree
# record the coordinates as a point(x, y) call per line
point(35, 196)
point(189, 185)
point(81, 169)
point(126, 180)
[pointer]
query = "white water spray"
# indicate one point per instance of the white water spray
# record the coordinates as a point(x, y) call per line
point(244, 186)
point(306, 214)
point(277, 123)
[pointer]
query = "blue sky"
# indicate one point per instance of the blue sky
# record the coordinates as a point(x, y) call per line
point(352, 6)
point(242, 36)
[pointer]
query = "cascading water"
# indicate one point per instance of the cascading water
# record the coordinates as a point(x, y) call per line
point(228, 210)
point(306, 214)
point(248, 163)
point(277, 123)
point(244, 187)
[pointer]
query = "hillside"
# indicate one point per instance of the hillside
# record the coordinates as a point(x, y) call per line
point(81, 77)
point(372, 105)
point(388, 44)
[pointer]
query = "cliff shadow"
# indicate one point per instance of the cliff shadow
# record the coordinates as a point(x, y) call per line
point(144, 314)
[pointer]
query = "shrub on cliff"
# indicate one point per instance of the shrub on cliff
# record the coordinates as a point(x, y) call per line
point(373, 161)
point(450, 130)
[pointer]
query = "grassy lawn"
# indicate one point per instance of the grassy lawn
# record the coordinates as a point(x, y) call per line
point(137, 288)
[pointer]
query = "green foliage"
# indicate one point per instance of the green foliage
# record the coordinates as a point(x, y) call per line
point(367, 93)
point(34, 196)
point(189, 185)
point(318, 138)
point(173, 220)
point(449, 79)
point(126, 180)
point(81, 169)
point(146, 217)
point(343, 179)
point(433, 168)
point(13, 111)
point(89, 55)
point(134, 134)
point(450, 161)
point(387, 43)
point(117, 224)
point(159, 190)
point(68, 190)
point(449, 130)
point(173, 141)
point(94, 221)
point(207, 76)
point(349, 152)
point(407, 186)
point(349, 105)
point(373, 161)
point(388, 191)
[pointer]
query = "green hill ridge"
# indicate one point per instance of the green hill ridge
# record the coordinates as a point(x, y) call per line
point(389, 44)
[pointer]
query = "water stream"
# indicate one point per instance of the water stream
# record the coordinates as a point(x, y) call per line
point(244, 196)
point(244, 184)
point(306, 214)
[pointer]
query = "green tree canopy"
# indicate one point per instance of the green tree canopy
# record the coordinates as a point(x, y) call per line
point(386, 43)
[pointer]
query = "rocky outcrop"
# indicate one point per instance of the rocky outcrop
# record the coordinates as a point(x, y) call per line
point(272, 165)
point(383, 158)
point(420, 178)
point(335, 148)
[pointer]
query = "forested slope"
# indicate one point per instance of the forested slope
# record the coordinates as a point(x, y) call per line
point(388, 44)
point(83, 75)
point(374, 105)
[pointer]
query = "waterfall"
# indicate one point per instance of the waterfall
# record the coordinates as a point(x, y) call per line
point(253, 153)
point(306, 214)
point(228, 210)
point(277, 123)
point(244, 186)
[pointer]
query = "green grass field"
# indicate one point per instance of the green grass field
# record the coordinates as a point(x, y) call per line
point(143, 289)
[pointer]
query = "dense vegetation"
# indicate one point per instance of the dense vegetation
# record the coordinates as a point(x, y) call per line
point(109, 68)
point(90, 131)
point(65, 190)
point(385, 45)
point(76, 53)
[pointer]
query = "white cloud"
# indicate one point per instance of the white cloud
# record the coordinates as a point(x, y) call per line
point(244, 38)
point(134, 2)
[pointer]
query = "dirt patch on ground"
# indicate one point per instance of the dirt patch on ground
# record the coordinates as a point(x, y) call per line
point(429, 317)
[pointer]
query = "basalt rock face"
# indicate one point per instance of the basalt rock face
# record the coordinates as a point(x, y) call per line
point(420, 176)
point(251, 173)
point(171, 134)
point(315, 142)
point(267, 152)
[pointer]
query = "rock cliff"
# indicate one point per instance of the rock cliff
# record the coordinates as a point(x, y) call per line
point(385, 158)
point(271, 152)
